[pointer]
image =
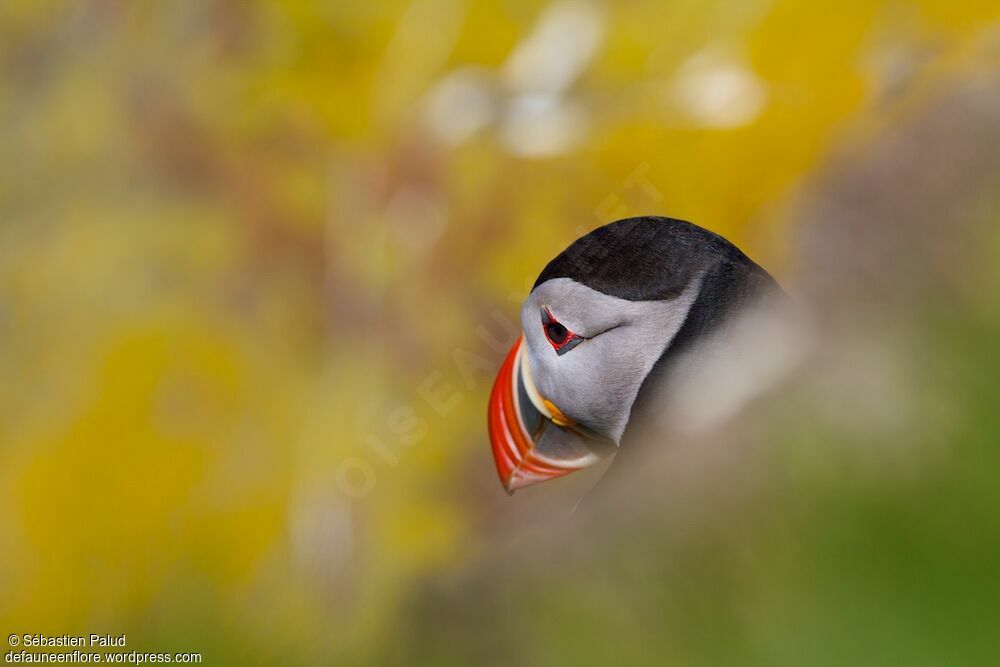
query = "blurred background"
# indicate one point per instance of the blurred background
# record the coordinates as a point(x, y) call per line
point(259, 262)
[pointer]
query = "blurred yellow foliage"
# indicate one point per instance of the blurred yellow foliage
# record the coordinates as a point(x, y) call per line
point(236, 238)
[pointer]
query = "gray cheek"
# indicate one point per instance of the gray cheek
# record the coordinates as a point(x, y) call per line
point(595, 383)
point(613, 374)
point(547, 374)
point(537, 345)
point(550, 376)
point(557, 378)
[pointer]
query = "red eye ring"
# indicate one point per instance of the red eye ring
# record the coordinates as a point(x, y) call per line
point(560, 338)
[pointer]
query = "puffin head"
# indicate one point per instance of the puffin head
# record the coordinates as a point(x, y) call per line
point(598, 331)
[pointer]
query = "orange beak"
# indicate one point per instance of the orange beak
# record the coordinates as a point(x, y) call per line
point(532, 440)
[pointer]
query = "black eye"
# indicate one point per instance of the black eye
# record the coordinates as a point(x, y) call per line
point(556, 332)
point(562, 339)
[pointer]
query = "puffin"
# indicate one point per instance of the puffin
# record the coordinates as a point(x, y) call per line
point(605, 331)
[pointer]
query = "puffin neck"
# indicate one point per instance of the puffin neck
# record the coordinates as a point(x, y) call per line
point(726, 289)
